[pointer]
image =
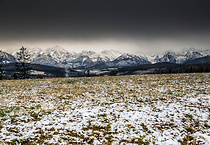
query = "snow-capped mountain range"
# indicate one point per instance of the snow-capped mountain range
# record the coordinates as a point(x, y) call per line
point(58, 56)
point(182, 56)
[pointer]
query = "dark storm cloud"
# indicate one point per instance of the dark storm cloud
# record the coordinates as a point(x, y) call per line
point(99, 19)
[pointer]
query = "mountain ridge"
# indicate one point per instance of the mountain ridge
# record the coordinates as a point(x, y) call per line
point(58, 56)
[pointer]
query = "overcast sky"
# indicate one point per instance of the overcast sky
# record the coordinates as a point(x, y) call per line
point(134, 26)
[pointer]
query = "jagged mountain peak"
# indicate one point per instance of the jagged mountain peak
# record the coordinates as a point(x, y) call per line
point(126, 56)
point(178, 56)
point(169, 53)
point(111, 51)
point(130, 60)
point(88, 52)
point(35, 50)
point(130, 56)
point(6, 57)
point(56, 49)
point(109, 55)
point(12, 51)
point(189, 50)
point(193, 54)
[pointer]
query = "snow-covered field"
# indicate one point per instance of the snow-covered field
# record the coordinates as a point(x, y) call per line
point(141, 109)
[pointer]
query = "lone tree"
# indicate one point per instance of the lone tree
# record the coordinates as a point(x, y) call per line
point(1, 65)
point(88, 73)
point(23, 64)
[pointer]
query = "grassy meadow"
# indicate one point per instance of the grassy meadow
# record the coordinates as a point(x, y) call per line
point(139, 109)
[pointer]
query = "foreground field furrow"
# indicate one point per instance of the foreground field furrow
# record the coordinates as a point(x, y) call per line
point(141, 109)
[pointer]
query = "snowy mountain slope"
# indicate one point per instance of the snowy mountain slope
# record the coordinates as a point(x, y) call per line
point(35, 52)
point(179, 57)
point(109, 55)
point(167, 57)
point(130, 60)
point(90, 54)
point(82, 61)
point(106, 55)
point(58, 53)
point(94, 59)
point(189, 54)
point(205, 52)
point(58, 56)
point(205, 59)
point(6, 57)
point(44, 59)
